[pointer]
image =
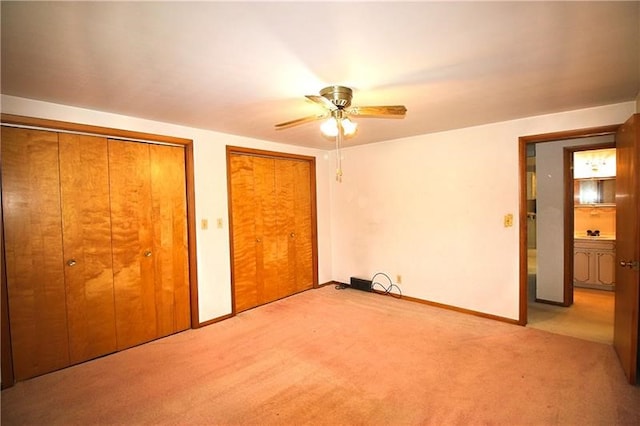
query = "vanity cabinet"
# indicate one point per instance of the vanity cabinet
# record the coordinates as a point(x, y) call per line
point(594, 263)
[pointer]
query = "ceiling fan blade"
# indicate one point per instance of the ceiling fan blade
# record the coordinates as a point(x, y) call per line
point(322, 101)
point(299, 121)
point(390, 111)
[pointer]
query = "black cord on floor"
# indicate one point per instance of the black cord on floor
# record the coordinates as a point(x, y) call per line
point(387, 290)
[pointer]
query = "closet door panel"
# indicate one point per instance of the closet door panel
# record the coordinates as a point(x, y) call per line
point(132, 241)
point(267, 255)
point(285, 183)
point(243, 231)
point(86, 225)
point(303, 215)
point(33, 250)
point(169, 218)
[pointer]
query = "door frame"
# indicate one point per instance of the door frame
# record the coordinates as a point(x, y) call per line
point(523, 142)
point(237, 150)
point(134, 136)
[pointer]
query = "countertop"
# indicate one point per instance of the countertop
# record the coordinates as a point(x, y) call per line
point(600, 238)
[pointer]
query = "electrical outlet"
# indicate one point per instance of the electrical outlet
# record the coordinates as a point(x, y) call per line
point(398, 279)
point(508, 220)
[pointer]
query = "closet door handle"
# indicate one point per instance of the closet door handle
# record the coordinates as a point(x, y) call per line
point(293, 235)
point(258, 240)
point(147, 253)
point(71, 262)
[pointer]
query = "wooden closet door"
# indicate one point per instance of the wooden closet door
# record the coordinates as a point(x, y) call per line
point(271, 211)
point(303, 227)
point(285, 205)
point(132, 242)
point(245, 242)
point(294, 219)
point(267, 231)
point(169, 218)
point(86, 228)
point(33, 250)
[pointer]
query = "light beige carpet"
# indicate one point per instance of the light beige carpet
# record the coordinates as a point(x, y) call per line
point(332, 357)
point(590, 317)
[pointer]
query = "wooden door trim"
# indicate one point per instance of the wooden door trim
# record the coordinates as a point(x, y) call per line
point(523, 141)
point(134, 136)
point(237, 150)
point(42, 123)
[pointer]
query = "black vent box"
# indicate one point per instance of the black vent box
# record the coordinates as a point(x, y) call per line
point(360, 284)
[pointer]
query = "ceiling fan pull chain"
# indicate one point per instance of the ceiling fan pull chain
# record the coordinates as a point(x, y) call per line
point(338, 153)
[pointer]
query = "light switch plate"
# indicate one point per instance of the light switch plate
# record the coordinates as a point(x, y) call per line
point(508, 220)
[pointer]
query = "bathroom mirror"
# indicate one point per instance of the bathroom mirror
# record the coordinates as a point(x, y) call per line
point(594, 191)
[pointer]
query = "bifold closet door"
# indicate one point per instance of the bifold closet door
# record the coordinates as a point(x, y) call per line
point(33, 249)
point(293, 197)
point(272, 239)
point(95, 241)
point(256, 258)
point(302, 242)
point(246, 243)
point(170, 239)
point(86, 230)
point(268, 256)
point(149, 237)
point(132, 242)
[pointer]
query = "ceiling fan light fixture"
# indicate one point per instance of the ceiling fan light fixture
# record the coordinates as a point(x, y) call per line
point(336, 101)
point(349, 126)
point(330, 127)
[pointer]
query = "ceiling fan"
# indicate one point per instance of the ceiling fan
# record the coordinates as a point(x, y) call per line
point(337, 103)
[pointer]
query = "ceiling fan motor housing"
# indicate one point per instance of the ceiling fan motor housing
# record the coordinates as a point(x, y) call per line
point(340, 96)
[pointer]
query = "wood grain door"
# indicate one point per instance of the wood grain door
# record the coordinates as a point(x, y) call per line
point(86, 230)
point(271, 232)
point(170, 239)
point(149, 238)
point(303, 228)
point(286, 220)
point(33, 249)
point(244, 256)
point(627, 303)
point(132, 241)
point(267, 232)
point(294, 221)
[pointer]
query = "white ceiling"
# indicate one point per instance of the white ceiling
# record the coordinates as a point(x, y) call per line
point(241, 67)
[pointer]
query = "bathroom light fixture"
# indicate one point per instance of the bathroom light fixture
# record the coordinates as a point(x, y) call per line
point(596, 164)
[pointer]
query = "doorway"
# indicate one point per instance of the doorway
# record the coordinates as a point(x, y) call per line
point(627, 295)
point(553, 304)
point(533, 285)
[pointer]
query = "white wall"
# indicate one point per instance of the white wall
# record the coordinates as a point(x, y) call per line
point(431, 208)
point(428, 207)
point(550, 215)
point(213, 258)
